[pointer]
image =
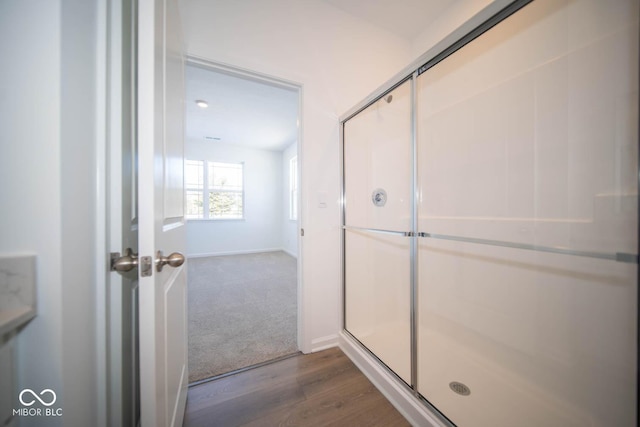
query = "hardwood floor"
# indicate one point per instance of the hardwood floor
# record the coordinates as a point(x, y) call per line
point(320, 389)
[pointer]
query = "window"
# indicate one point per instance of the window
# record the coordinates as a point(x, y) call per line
point(214, 190)
point(293, 188)
point(225, 190)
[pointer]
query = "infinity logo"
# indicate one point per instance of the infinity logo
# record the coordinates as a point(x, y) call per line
point(36, 397)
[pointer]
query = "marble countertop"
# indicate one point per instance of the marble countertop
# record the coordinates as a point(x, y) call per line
point(17, 291)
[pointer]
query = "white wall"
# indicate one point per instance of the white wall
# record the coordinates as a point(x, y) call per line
point(34, 162)
point(47, 165)
point(78, 209)
point(261, 228)
point(289, 227)
point(338, 60)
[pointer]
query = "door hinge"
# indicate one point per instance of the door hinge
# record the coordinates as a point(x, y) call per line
point(302, 232)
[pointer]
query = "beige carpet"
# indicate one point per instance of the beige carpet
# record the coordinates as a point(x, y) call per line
point(242, 311)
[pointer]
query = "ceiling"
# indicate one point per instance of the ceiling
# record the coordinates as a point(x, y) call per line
point(406, 18)
point(241, 111)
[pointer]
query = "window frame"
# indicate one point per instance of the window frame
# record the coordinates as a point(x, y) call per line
point(293, 188)
point(200, 190)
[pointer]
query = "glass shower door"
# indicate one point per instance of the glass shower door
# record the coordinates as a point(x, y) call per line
point(527, 175)
point(378, 218)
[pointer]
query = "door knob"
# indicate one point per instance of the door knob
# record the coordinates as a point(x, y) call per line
point(124, 263)
point(176, 259)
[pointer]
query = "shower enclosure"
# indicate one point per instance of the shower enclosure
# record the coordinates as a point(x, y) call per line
point(490, 220)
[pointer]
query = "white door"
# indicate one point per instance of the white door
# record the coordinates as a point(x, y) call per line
point(162, 294)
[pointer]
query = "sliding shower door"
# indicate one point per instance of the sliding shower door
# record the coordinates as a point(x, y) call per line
point(527, 171)
point(378, 203)
point(493, 266)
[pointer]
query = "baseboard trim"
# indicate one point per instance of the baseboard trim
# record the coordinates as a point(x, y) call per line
point(244, 252)
point(397, 394)
point(324, 343)
point(295, 255)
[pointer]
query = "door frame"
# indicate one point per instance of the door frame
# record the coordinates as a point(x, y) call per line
point(108, 225)
point(105, 109)
point(103, 143)
point(298, 87)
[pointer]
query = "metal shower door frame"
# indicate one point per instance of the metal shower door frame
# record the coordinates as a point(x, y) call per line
point(492, 15)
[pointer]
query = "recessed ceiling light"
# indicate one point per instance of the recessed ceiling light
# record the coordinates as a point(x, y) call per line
point(202, 104)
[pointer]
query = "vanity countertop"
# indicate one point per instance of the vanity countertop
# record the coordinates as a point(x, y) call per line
point(17, 291)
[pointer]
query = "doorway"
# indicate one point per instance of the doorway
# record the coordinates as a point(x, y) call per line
point(242, 175)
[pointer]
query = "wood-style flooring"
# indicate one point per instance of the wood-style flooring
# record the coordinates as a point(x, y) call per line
point(319, 389)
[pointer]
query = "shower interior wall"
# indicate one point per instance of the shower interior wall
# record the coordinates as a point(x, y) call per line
point(527, 138)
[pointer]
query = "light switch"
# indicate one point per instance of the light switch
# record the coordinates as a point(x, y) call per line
point(322, 199)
